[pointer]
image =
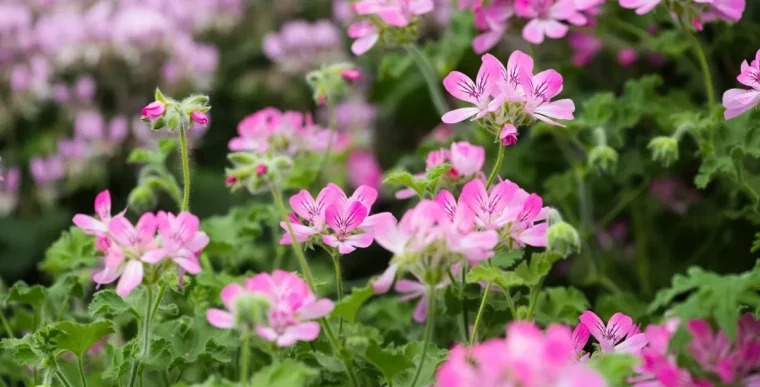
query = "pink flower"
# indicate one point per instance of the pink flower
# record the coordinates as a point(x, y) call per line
point(619, 335)
point(466, 159)
point(657, 368)
point(397, 13)
point(181, 241)
point(477, 93)
point(417, 289)
point(493, 20)
point(627, 57)
point(729, 10)
point(103, 210)
point(580, 338)
point(344, 218)
point(312, 211)
point(366, 35)
point(539, 90)
point(641, 6)
point(585, 48)
point(508, 80)
point(363, 169)
point(483, 365)
point(545, 17)
point(732, 362)
point(508, 135)
point(154, 110)
point(351, 75)
point(739, 101)
point(291, 311)
point(199, 117)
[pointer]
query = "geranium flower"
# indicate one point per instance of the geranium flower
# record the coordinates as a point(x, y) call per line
point(619, 335)
point(545, 17)
point(739, 101)
point(477, 93)
point(97, 226)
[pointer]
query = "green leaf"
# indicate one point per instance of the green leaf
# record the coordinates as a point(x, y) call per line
point(288, 373)
point(160, 355)
point(143, 156)
point(433, 357)
point(74, 249)
point(167, 145)
point(215, 381)
point(538, 268)
point(503, 279)
point(712, 166)
point(598, 110)
point(193, 340)
point(64, 289)
point(108, 303)
point(348, 306)
point(433, 174)
point(390, 361)
point(505, 259)
point(118, 362)
point(22, 293)
point(23, 351)
point(560, 305)
point(615, 367)
point(78, 338)
point(405, 178)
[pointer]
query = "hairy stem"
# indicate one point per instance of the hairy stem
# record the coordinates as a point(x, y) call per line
point(245, 352)
point(429, 325)
point(700, 53)
point(150, 307)
point(81, 371)
point(431, 78)
point(305, 270)
point(338, 352)
point(339, 285)
point(185, 167)
point(62, 378)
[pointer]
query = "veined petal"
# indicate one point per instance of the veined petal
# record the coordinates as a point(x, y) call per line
point(461, 87)
point(459, 115)
point(130, 279)
point(533, 236)
point(360, 240)
point(562, 109)
point(89, 224)
point(220, 318)
point(594, 324)
point(103, 205)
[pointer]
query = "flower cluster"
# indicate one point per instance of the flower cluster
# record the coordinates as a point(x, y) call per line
point(335, 219)
point(542, 19)
point(507, 97)
point(301, 46)
point(695, 11)
point(526, 357)
point(155, 238)
point(279, 306)
point(739, 101)
point(391, 21)
point(466, 162)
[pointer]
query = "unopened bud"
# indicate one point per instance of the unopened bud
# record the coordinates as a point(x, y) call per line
point(261, 170)
point(561, 237)
point(602, 159)
point(230, 180)
point(154, 110)
point(252, 308)
point(322, 99)
point(664, 149)
point(199, 117)
point(141, 198)
point(351, 75)
point(508, 135)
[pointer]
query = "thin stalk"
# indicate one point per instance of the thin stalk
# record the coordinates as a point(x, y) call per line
point(495, 170)
point(81, 371)
point(339, 285)
point(62, 378)
point(36, 325)
point(702, 63)
point(145, 349)
point(185, 168)
point(431, 78)
point(331, 138)
point(161, 291)
point(6, 326)
point(337, 350)
point(482, 307)
point(429, 325)
point(465, 316)
point(245, 352)
point(534, 298)
point(305, 271)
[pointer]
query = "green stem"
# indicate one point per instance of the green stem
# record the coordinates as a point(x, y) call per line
point(702, 63)
point(465, 315)
point(431, 78)
point(150, 307)
point(64, 308)
point(36, 324)
point(81, 371)
point(532, 52)
point(338, 351)
point(331, 138)
point(185, 168)
point(62, 378)
point(305, 271)
point(534, 298)
point(495, 170)
point(429, 325)
point(161, 291)
point(633, 29)
point(483, 301)
point(339, 285)
point(245, 352)
point(6, 326)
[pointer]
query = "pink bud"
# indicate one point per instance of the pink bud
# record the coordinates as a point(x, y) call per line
point(351, 75)
point(322, 99)
point(230, 180)
point(697, 24)
point(199, 117)
point(508, 135)
point(627, 56)
point(154, 110)
point(261, 170)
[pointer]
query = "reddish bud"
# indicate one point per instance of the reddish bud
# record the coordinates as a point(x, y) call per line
point(351, 75)
point(154, 110)
point(627, 56)
point(261, 170)
point(322, 99)
point(230, 180)
point(508, 135)
point(199, 117)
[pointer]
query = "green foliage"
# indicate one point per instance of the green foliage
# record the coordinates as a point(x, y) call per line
point(503, 279)
point(420, 185)
point(390, 361)
point(73, 250)
point(108, 303)
point(349, 305)
point(192, 340)
point(20, 292)
point(433, 358)
point(540, 264)
point(560, 305)
point(288, 373)
point(78, 338)
point(615, 367)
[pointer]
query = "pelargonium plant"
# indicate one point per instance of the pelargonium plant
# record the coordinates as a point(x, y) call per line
point(552, 226)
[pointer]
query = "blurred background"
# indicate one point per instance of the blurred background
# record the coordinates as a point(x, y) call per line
point(74, 75)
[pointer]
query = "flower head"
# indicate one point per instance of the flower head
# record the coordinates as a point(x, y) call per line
point(619, 335)
point(739, 101)
point(477, 93)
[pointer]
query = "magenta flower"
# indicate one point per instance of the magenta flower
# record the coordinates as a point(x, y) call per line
point(739, 101)
point(483, 365)
point(627, 57)
point(508, 135)
point(580, 338)
point(154, 110)
point(466, 159)
point(103, 210)
point(545, 17)
point(731, 362)
point(477, 93)
point(343, 219)
point(364, 169)
point(292, 307)
point(509, 85)
point(312, 211)
point(657, 368)
point(539, 90)
point(585, 47)
point(493, 21)
point(619, 335)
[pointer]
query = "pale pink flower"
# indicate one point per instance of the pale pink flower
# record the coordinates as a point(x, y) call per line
point(619, 335)
point(493, 20)
point(466, 159)
point(545, 17)
point(641, 6)
point(9, 189)
point(477, 93)
point(441, 133)
point(97, 226)
point(343, 219)
point(154, 110)
point(397, 13)
point(181, 241)
point(199, 117)
point(539, 90)
point(483, 365)
point(739, 101)
point(364, 169)
point(366, 35)
point(46, 171)
point(293, 307)
point(508, 80)
point(418, 289)
point(470, 4)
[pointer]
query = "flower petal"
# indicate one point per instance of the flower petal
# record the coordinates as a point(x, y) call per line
point(130, 279)
point(220, 318)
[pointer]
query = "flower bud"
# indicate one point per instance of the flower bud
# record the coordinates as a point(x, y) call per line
point(664, 149)
point(251, 308)
point(602, 159)
point(261, 170)
point(141, 198)
point(508, 135)
point(351, 75)
point(230, 180)
point(561, 237)
point(199, 117)
point(154, 110)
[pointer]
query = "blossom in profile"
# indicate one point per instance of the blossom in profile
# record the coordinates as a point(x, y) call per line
point(282, 305)
point(99, 225)
point(154, 110)
point(739, 101)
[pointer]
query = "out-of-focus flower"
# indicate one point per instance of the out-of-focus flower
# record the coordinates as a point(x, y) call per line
point(199, 117)
point(466, 162)
point(627, 57)
point(585, 47)
point(9, 189)
point(739, 101)
point(391, 15)
point(545, 18)
point(732, 362)
point(288, 314)
point(363, 169)
point(301, 46)
point(673, 194)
